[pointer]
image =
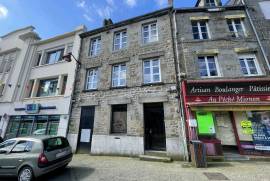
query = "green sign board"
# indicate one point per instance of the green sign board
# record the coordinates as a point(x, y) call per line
point(206, 124)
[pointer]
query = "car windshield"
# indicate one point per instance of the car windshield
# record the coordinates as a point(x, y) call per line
point(6, 146)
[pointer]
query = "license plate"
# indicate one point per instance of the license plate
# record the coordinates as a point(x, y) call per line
point(61, 154)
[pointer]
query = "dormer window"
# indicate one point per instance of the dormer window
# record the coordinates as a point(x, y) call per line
point(210, 3)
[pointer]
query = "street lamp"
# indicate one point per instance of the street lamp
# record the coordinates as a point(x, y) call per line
point(67, 58)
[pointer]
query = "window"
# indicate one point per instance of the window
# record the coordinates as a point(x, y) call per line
point(150, 33)
point(151, 71)
point(91, 79)
point(119, 75)
point(208, 66)
point(47, 87)
point(6, 146)
point(265, 7)
point(22, 146)
point(119, 119)
point(95, 46)
point(40, 125)
point(249, 65)
point(200, 30)
point(120, 40)
point(2, 87)
point(236, 27)
point(38, 59)
point(53, 125)
point(54, 56)
point(210, 3)
point(6, 62)
point(55, 144)
point(69, 48)
point(29, 88)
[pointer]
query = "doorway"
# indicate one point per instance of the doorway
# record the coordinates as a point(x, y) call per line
point(86, 130)
point(154, 127)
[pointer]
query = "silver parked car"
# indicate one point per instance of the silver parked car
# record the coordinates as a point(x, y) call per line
point(31, 157)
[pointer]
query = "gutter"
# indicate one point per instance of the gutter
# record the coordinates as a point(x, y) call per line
point(256, 34)
point(178, 80)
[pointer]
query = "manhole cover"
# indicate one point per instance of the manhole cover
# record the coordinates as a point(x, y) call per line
point(215, 176)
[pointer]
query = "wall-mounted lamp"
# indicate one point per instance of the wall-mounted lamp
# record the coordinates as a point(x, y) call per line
point(68, 56)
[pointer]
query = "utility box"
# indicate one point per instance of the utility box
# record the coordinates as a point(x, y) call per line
point(198, 154)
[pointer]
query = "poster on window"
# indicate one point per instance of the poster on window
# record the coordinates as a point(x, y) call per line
point(261, 130)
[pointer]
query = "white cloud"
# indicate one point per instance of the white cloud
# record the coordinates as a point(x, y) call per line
point(105, 12)
point(88, 18)
point(161, 3)
point(110, 3)
point(131, 3)
point(81, 4)
point(3, 11)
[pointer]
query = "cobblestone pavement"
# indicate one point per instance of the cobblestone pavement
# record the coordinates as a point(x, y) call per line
point(104, 168)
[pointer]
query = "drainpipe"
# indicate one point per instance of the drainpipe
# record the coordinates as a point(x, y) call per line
point(178, 80)
point(256, 34)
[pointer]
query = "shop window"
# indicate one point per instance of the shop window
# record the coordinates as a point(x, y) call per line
point(150, 33)
point(265, 7)
point(13, 127)
point(208, 66)
point(40, 125)
point(119, 75)
point(47, 87)
point(249, 65)
point(210, 3)
point(200, 29)
point(151, 71)
point(119, 119)
point(91, 79)
point(120, 40)
point(25, 126)
point(236, 27)
point(54, 56)
point(95, 46)
point(64, 85)
point(53, 125)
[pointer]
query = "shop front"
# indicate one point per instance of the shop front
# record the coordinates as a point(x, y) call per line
point(229, 116)
point(36, 119)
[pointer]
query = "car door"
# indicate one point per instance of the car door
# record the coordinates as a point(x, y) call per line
point(18, 154)
point(5, 147)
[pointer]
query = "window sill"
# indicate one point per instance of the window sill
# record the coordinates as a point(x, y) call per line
point(150, 43)
point(119, 87)
point(153, 84)
point(90, 90)
point(120, 50)
point(117, 134)
point(44, 65)
point(44, 97)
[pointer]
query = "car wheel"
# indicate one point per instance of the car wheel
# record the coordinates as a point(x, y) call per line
point(26, 174)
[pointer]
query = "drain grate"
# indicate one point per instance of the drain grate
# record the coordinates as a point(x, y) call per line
point(215, 176)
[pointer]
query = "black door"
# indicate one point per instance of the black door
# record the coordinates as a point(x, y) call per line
point(154, 132)
point(86, 129)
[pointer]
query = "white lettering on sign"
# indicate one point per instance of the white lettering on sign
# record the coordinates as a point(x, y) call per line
point(200, 90)
point(231, 99)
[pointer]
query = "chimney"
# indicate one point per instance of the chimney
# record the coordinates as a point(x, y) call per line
point(170, 3)
point(107, 22)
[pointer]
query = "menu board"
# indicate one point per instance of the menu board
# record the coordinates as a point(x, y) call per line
point(206, 124)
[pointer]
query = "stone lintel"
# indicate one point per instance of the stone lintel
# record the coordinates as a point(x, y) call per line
point(152, 55)
point(116, 100)
point(195, 18)
point(120, 60)
point(90, 103)
point(93, 64)
point(148, 99)
point(207, 52)
point(235, 16)
point(245, 50)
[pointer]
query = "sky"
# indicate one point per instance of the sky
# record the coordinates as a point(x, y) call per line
point(55, 17)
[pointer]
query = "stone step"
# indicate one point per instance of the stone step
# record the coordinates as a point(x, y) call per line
point(155, 158)
point(156, 153)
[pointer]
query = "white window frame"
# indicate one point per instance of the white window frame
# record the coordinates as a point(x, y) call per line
point(92, 81)
point(236, 33)
point(151, 38)
point(151, 71)
point(118, 75)
point(200, 30)
point(207, 66)
point(245, 57)
point(122, 44)
point(95, 46)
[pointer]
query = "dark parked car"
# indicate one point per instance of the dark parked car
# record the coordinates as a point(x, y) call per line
point(31, 157)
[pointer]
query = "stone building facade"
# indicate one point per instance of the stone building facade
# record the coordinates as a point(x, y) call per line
point(220, 60)
point(141, 112)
